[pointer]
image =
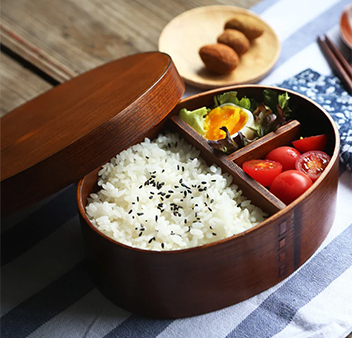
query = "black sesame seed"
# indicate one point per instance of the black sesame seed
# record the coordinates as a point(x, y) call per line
point(130, 211)
point(185, 220)
point(210, 209)
point(168, 196)
point(183, 168)
point(140, 234)
point(150, 197)
point(171, 191)
point(212, 200)
point(141, 186)
point(203, 182)
point(214, 234)
point(176, 186)
point(181, 180)
point(147, 157)
point(156, 218)
point(140, 213)
point(163, 171)
point(213, 180)
point(239, 205)
point(178, 167)
point(152, 239)
point(162, 245)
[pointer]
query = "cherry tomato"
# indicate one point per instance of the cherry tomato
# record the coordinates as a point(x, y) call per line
point(289, 185)
point(263, 171)
point(313, 163)
point(311, 143)
point(287, 156)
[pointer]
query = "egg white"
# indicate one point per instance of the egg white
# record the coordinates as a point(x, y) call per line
point(246, 131)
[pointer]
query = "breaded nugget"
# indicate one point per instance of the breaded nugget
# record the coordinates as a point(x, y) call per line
point(236, 40)
point(246, 24)
point(219, 58)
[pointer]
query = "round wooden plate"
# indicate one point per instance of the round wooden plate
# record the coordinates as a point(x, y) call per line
point(346, 25)
point(184, 35)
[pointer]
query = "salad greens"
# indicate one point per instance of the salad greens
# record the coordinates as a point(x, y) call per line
point(270, 114)
point(195, 118)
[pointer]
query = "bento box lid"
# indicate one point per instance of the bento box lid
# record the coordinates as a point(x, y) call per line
point(65, 133)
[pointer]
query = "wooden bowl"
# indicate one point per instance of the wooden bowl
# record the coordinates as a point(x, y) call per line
point(175, 284)
point(346, 25)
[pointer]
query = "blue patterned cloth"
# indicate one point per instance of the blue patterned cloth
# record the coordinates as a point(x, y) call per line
point(330, 94)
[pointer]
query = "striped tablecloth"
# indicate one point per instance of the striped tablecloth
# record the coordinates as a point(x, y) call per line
point(46, 291)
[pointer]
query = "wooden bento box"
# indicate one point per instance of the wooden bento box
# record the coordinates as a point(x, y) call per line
point(187, 282)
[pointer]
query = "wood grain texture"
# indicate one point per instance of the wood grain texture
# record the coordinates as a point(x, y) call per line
point(223, 273)
point(18, 84)
point(70, 37)
point(60, 136)
point(67, 38)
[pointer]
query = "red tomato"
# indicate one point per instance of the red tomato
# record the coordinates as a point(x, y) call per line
point(287, 156)
point(289, 185)
point(263, 171)
point(311, 143)
point(313, 163)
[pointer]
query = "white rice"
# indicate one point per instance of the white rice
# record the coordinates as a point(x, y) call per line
point(159, 195)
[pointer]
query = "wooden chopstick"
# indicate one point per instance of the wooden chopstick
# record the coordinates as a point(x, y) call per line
point(344, 63)
point(337, 61)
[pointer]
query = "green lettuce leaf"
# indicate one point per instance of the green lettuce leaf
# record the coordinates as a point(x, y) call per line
point(231, 97)
point(195, 118)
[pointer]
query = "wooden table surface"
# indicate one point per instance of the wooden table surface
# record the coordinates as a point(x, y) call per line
point(44, 43)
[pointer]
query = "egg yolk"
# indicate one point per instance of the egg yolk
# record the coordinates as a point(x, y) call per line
point(233, 118)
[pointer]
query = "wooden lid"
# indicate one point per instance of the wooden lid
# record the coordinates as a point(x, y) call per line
point(62, 135)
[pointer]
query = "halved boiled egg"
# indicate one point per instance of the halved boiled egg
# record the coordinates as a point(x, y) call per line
point(231, 116)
